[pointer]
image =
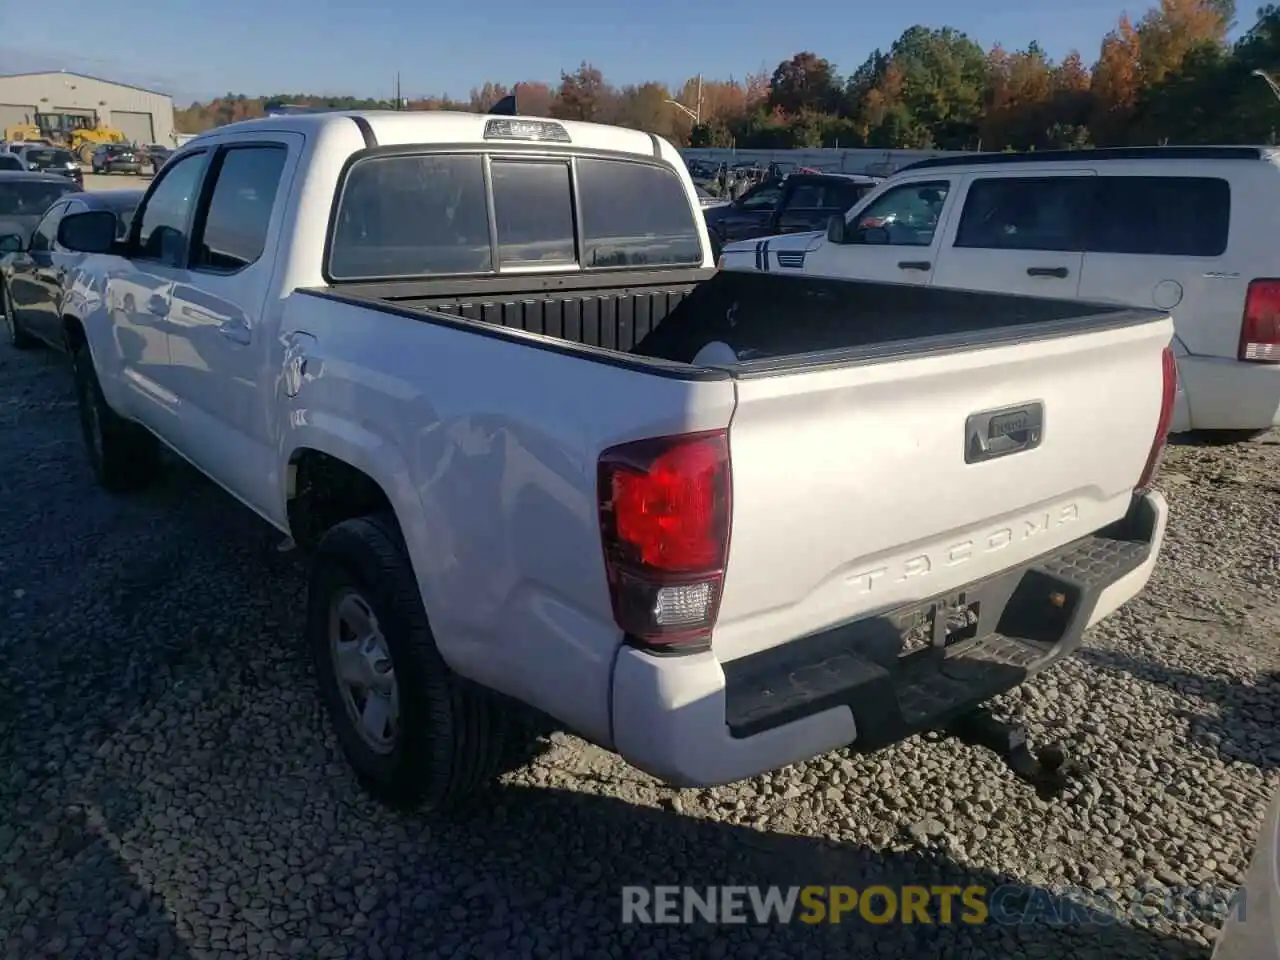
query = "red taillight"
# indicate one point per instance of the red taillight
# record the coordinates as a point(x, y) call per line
point(1260, 330)
point(1168, 394)
point(664, 522)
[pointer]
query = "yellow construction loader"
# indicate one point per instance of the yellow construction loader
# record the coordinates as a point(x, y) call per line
point(77, 133)
point(25, 133)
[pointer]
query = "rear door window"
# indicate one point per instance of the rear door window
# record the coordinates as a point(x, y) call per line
point(234, 232)
point(635, 214)
point(1163, 216)
point(1024, 213)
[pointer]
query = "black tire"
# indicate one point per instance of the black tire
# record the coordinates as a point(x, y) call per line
point(1225, 438)
point(452, 737)
point(122, 455)
point(18, 337)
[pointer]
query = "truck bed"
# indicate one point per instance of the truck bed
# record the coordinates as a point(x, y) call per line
point(573, 308)
point(671, 315)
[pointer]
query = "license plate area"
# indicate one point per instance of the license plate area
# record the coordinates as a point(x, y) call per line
point(939, 624)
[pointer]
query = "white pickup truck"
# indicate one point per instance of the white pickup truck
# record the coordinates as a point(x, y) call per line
point(539, 450)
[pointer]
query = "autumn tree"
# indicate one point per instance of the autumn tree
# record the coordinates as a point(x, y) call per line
point(756, 89)
point(1117, 77)
point(1169, 32)
point(721, 100)
point(484, 97)
point(534, 98)
point(806, 82)
point(644, 107)
point(583, 95)
point(1019, 98)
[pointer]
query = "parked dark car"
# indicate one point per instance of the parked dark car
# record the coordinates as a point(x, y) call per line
point(799, 202)
point(117, 158)
point(157, 156)
point(56, 160)
point(36, 273)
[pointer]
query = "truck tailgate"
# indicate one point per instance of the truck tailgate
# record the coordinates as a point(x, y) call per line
point(863, 487)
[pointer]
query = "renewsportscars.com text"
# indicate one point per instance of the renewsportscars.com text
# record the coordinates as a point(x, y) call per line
point(936, 904)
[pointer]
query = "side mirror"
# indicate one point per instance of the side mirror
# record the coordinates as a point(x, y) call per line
point(11, 243)
point(91, 232)
point(835, 229)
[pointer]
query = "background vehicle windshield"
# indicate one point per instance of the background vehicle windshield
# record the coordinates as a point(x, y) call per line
point(26, 199)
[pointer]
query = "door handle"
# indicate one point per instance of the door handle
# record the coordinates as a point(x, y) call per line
point(235, 330)
point(158, 305)
point(914, 265)
point(1059, 272)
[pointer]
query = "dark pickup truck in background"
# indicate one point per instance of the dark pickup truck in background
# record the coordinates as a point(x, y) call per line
point(794, 204)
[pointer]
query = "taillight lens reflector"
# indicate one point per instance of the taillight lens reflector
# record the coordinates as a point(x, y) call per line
point(1168, 396)
point(664, 508)
point(1260, 329)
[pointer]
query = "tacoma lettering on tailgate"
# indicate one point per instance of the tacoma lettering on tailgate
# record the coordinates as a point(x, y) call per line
point(955, 554)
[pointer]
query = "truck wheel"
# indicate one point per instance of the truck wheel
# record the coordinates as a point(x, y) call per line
point(19, 338)
point(123, 455)
point(417, 735)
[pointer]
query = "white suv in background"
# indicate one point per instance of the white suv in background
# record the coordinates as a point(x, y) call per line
point(1191, 230)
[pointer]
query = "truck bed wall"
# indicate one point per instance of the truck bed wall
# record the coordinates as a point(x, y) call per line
point(773, 315)
point(617, 317)
point(770, 315)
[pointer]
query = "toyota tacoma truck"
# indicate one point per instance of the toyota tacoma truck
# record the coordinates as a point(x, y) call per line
point(541, 454)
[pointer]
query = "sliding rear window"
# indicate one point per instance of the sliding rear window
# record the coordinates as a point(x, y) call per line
point(428, 215)
point(634, 215)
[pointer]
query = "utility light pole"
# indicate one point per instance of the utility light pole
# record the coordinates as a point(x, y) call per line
point(696, 114)
point(1275, 87)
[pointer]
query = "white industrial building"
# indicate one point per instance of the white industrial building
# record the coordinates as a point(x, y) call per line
point(143, 116)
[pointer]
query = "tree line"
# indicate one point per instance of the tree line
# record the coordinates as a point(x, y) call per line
point(1170, 76)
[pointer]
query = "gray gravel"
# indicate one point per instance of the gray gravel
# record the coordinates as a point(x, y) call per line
point(168, 786)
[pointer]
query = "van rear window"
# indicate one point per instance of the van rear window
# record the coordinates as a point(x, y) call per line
point(427, 215)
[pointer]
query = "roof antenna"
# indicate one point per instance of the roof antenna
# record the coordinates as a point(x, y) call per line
point(506, 107)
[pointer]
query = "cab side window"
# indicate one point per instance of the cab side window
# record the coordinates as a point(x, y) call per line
point(47, 229)
point(235, 224)
point(906, 216)
point(166, 214)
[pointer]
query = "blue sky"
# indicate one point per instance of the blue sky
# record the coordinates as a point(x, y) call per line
point(198, 49)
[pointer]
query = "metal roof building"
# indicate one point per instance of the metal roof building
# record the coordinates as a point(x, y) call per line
point(143, 116)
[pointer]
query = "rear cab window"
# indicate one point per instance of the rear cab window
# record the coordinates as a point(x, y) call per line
point(428, 215)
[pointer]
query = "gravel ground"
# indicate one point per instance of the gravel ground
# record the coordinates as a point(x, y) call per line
point(168, 787)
